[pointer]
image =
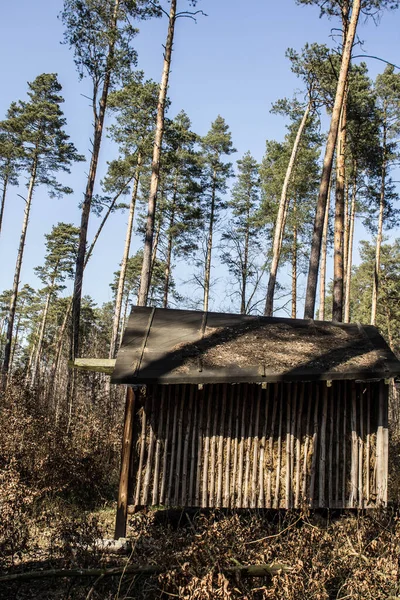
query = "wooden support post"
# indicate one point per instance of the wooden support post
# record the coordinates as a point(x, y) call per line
point(382, 446)
point(122, 507)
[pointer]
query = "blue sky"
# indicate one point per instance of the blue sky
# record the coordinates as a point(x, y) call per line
point(231, 62)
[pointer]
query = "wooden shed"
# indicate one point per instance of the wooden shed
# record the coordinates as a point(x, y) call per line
point(244, 411)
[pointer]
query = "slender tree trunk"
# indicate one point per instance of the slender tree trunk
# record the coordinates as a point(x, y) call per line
point(294, 262)
point(155, 167)
point(3, 200)
point(14, 295)
point(346, 233)
point(98, 132)
point(245, 261)
point(324, 251)
point(169, 248)
point(14, 346)
point(41, 335)
point(207, 271)
point(280, 221)
point(327, 165)
point(124, 263)
point(350, 250)
point(375, 285)
point(338, 267)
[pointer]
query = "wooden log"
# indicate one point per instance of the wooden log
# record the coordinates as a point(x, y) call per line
point(368, 446)
point(97, 365)
point(322, 454)
point(253, 499)
point(361, 451)
point(211, 499)
point(298, 445)
point(330, 434)
point(200, 399)
point(185, 465)
point(227, 474)
point(315, 441)
point(261, 470)
point(204, 500)
point(235, 450)
point(157, 459)
point(191, 494)
point(354, 449)
point(165, 453)
point(344, 464)
point(220, 458)
point(246, 497)
point(382, 446)
point(179, 444)
point(172, 472)
point(337, 401)
point(292, 436)
point(241, 447)
point(150, 451)
point(141, 455)
point(305, 499)
point(271, 447)
point(279, 453)
point(122, 506)
point(288, 443)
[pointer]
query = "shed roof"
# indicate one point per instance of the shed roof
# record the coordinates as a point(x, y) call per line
point(184, 346)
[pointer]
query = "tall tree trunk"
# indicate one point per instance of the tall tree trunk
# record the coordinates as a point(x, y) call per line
point(377, 266)
point(324, 251)
point(280, 221)
point(155, 167)
point(14, 295)
point(169, 247)
point(14, 346)
point(124, 263)
point(312, 280)
point(41, 335)
point(294, 262)
point(338, 270)
point(350, 249)
point(3, 200)
point(346, 232)
point(207, 271)
point(98, 132)
point(245, 265)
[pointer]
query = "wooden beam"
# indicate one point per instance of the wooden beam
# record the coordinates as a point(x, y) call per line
point(122, 507)
point(98, 365)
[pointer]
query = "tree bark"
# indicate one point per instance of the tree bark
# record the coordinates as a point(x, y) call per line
point(14, 295)
point(3, 200)
point(327, 165)
point(169, 248)
point(324, 250)
point(280, 220)
point(294, 262)
point(124, 263)
point(350, 250)
point(338, 270)
point(243, 305)
point(41, 336)
point(155, 167)
point(375, 285)
point(98, 132)
point(207, 272)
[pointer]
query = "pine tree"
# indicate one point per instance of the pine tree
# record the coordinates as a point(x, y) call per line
point(39, 125)
point(10, 152)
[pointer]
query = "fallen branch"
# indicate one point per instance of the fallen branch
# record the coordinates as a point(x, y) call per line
point(146, 570)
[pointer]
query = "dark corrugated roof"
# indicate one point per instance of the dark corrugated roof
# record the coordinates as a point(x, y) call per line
point(183, 346)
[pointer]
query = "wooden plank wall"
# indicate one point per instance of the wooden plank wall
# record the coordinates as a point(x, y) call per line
point(286, 445)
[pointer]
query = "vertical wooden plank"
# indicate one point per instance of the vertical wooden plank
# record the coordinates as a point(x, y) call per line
point(204, 501)
point(354, 448)
point(179, 443)
point(122, 506)
point(292, 436)
point(191, 493)
point(253, 500)
point(315, 441)
point(322, 454)
point(201, 402)
point(305, 499)
point(241, 446)
point(330, 447)
point(368, 446)
point(337, 401)
point(216, 410)
point(220, 458)
point(141, 456)
point(261, 494)
point(185, 465)
point(346, 387)
point(382, 445)
point(248, 446)
point(361, 448)
point(234, 487)
point(271, 447)
point(279, 453)
point(287, 398)
point(154, 499)
point(165, 454)
point(150, 451)
point(226, 499)
point(173, 444)
point(298, 444)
